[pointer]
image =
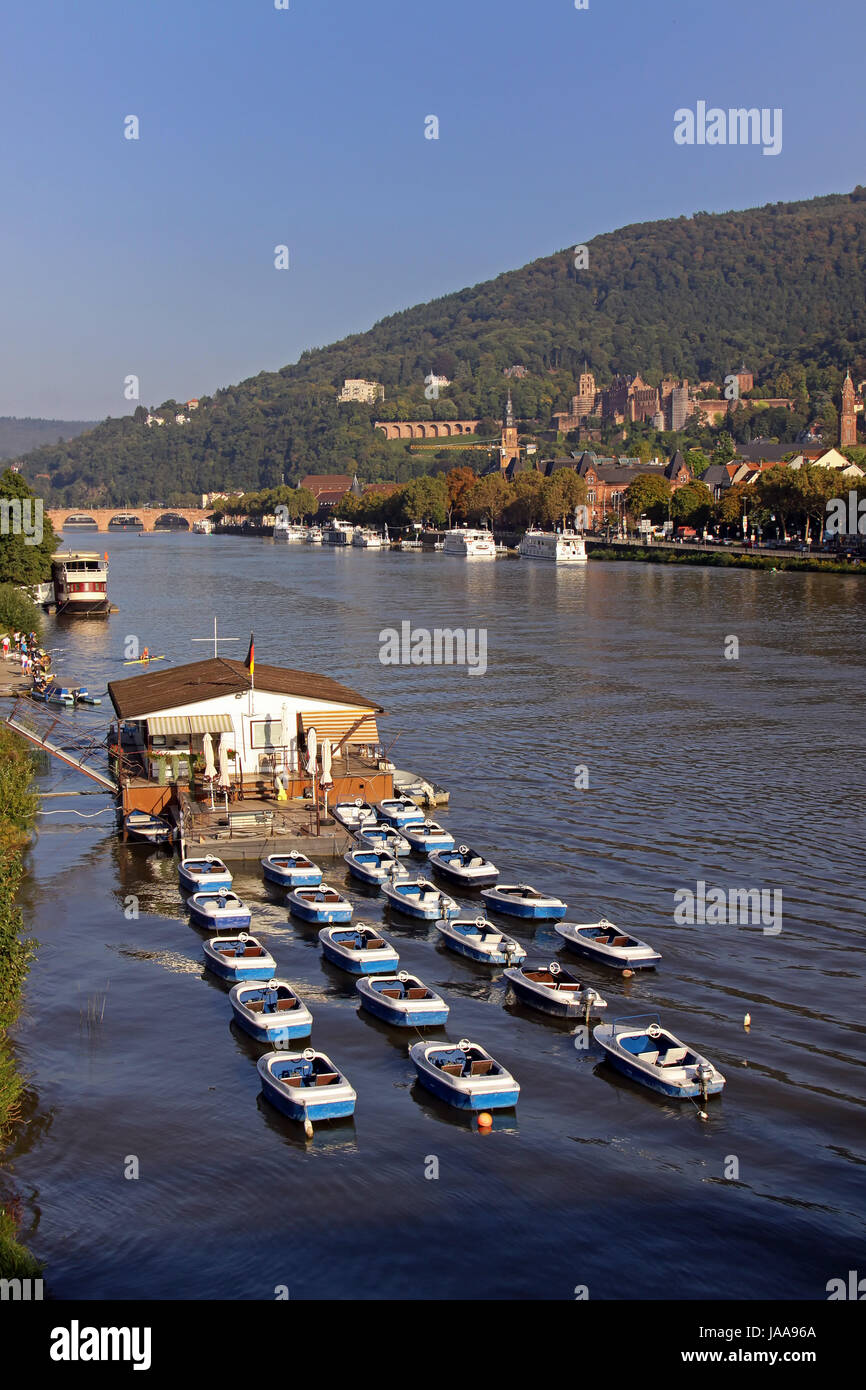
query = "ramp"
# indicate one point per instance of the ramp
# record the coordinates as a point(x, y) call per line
point(77, 748)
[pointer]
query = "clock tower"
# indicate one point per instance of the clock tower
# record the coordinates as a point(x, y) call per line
point(509, 449)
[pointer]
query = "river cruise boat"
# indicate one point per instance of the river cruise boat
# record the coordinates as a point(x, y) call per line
point(472, 545)
point(80, 579)
point(364, 539)
point(289, 531)
point(562, 547)
point(313, 535)
point(337, 532)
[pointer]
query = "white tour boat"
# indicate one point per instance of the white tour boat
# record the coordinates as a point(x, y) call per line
point(562, 547)
point(472, 545)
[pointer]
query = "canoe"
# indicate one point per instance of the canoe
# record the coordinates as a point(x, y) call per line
point(643, 1050)
point(481, 941)
point(373, 867)
point(293, 870)
point(382, 836)
point(465, 867)
point(553, 990)
point(402, 1000)
point(428, 835)
point(322, 904)
point(204, 873)
point(218, 909)
point(400, 811)
point(607, 945)
point(362, 950)
point(305, 1086)
point(145, 660)
point(418, 897)
point(151, 830)
point(270, 1011)
point(464, 1075)
point(522, 900)
point(353, 814)
point(239, 957)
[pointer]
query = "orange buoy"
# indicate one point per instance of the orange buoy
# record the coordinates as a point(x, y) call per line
point(485, 1120)
point(627, 974)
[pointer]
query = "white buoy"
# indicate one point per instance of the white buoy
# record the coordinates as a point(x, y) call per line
point(702, 1115)
point(308, 1128)
point(747, 1021)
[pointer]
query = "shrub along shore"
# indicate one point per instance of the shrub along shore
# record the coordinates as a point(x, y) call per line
point(777, 561)
point(17, 814)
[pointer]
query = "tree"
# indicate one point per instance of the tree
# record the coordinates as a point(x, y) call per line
point(777, 490)
point(560, 494)
point(817, 487)
point(692, 504)
point(423, 499)
point(487, 499)
point(459, 482)
point(649, 495)
point(697, 461)
point(526, 505)
point(725, 448)
point(27, 539)
point(735, 503)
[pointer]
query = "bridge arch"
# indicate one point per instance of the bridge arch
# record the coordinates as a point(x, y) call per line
point(170, 521)
point(125, 521)
point(83, 520)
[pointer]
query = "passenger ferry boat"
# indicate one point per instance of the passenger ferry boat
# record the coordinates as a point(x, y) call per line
point(313, 535)
point(203, 527)
point(80, 579)
point(367, 540)
point(472, 545)
point(562, 547)
point(289, 531)
point(337, 532)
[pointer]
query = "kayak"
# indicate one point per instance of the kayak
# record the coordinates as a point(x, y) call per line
point(145, 660)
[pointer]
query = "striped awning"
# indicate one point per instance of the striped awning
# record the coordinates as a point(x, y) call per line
point(336, 723)
point(190, 724)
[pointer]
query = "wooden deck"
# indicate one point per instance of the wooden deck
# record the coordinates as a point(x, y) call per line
point(257, 826)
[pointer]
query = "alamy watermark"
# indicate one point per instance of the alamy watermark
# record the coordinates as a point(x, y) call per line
point(737, 126)
point(443, 646)
point(22, 516)
point(846, 518)
point(736, 907)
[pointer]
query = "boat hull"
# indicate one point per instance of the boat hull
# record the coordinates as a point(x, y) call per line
point(326, 913)
point(276, 1031)
point(642, 958)
point(314, 1109)
point(360, 962)
point(292, 878)
point(203, 883)
point(674, 1091)
point(237, 968)
point(518, 907)
point(412, 1014)
point(544, 1001)
point(238, 920)
point(505, 1097)
point(413, 908)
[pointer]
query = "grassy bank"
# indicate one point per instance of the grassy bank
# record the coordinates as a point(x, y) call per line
point(17, 814)
point(780, 560)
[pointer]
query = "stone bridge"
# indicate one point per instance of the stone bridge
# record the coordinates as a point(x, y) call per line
point(72, 520)
point(425, 429)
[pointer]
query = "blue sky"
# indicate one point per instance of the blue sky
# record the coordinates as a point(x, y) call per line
point(305, 127)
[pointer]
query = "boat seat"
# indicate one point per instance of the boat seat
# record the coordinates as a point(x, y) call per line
point(327, 1078)
point(453, 1068)
point(602, 940)
point(482, 1067)
point(475, 862)
point(417, 992)
point(255, 1006)
point(569, 988)
point(374, 943)
point(674, 1056)
point(284, 1004)
point(293, 1080)
point(391, 993)
point(649, 1057)
point(253, 951)
point(619, 941)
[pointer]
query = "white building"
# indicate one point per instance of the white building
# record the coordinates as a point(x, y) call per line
point(357, 389)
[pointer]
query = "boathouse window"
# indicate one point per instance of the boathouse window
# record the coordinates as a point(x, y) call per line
point(265, 733)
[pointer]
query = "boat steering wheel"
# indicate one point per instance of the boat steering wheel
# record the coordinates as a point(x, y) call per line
point(554, 968)
point(654, 1031)
point(403, 976)
point(462, 849)
point(464, 1044)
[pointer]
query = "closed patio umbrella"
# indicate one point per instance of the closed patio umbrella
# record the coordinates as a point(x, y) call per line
point(311, 752)
point(224, 774)
point(326, 763)
point(209, 764)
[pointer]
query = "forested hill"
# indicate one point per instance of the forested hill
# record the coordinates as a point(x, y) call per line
point(782, 287)
point(19, 435)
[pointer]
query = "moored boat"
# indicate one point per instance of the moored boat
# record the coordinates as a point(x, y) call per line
point(464, 866)
point(643, 1050)
point(383, 837)
point(270, 1011)
point(150, 830)
point(292, 870)
point(400, 811)
point(220, 908)
point(562, 547)
point(522, 900)
point(365, 539)
point(402, 1000)
point(239, 957)
point(554, 990)
point(322, 904)
point(373, 866)
point(427, 835)
point(305, 1086)
point(353, 815)
point(607, 945)
point(82, 696)
point(203, 873)
point(464, 1075)
point(480, 941)
point(418, 897)
point(362, 950)
point(471, 544)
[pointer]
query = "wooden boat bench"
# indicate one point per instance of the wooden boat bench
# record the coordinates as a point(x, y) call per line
point(453, 1068)
point(327, 1078)
point(417, 992)
point(391, 993)
point(619, 941)
point(482, 1067)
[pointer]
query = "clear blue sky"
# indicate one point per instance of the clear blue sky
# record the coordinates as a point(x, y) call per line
point(306, 127)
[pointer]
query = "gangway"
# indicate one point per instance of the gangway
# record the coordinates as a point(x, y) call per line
point(63, 740)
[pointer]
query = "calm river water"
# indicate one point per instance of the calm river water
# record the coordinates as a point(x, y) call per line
point(741, 773)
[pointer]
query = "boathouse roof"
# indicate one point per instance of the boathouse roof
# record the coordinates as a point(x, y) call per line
point(138, 696)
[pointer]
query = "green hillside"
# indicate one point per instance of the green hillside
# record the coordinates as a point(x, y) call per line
point(783, 287)
point(18, 435)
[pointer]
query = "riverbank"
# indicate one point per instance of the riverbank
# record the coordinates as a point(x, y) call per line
point(777, 560)
point(17, 814)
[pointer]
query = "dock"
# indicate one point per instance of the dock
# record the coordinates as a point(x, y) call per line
point(256, 826)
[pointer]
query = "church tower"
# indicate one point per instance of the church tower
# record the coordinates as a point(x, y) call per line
point(509, 450)
point(848, 418)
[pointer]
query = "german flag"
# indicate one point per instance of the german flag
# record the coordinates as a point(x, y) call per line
point(250, 662)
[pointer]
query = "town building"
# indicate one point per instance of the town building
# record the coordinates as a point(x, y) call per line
point(848, 416)
point(329, 489)
point(509, 449)
point(358, 389)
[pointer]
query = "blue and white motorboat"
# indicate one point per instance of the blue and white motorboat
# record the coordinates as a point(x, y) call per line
point(322, 904)
point(644, 1051)
point(361, 949)
point(554, 990)
point(239, 957)
point(481, 941)
point(522, 900)
point(383, 837)
point(464, 866)
point(464, 1075)
point(428, 835)
point(402, 1000)
point(305, 1086)
point(82, 696)
point(270, 1011)
point(196, 875)
point(292, 870)
point(58, 695)
point(418, 897)
point(400, 811)
point(373, 867)
point(148, 829)
point(607, 945)
point(353, 815)
point(218, 909)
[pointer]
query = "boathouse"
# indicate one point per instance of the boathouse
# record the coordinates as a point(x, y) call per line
point(260, 737)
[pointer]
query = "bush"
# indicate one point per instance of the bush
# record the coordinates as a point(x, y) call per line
point(18, 611)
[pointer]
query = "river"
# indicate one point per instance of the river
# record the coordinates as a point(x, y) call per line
point(739, 772)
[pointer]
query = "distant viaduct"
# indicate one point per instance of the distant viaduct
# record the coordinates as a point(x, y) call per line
point(116, 519)
point(425, 429)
